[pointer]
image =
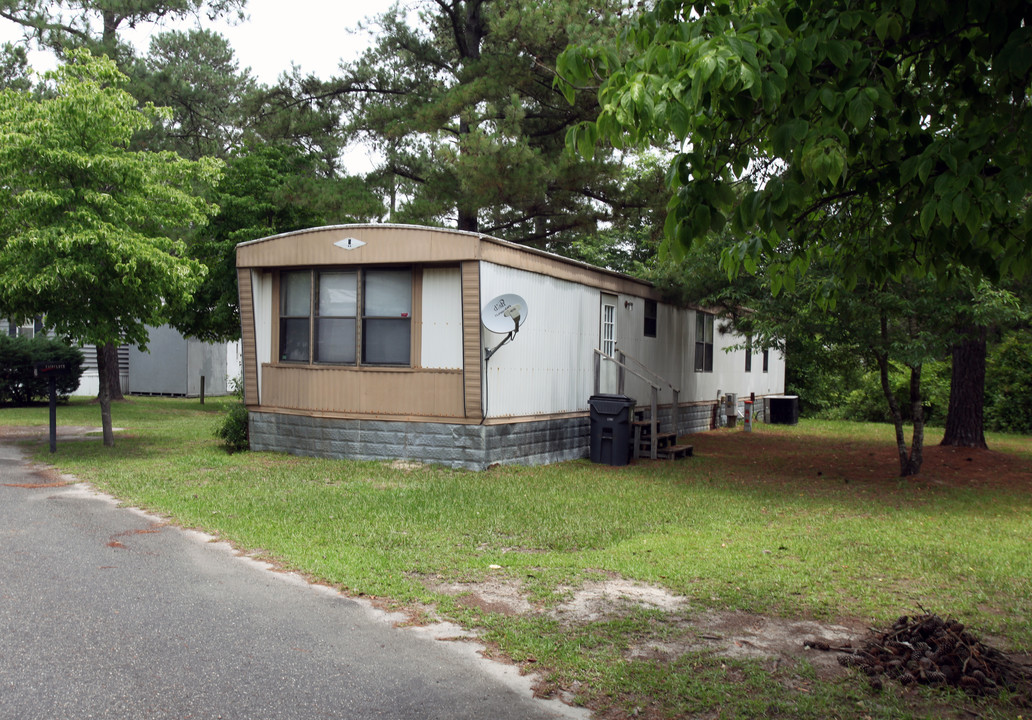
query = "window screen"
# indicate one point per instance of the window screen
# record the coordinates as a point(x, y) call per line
point(336, 321)
point(387, 317)
point(295, 314)
point(321, 324)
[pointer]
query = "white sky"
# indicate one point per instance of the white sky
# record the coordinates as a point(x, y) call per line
point(315, 34)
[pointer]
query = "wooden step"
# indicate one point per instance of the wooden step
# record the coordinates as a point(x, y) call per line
point(675, 452)
point(663, 440)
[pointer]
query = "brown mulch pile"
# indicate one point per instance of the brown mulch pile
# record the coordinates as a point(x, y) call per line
point(929, 650)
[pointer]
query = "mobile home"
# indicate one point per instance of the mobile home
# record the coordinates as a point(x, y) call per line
point(390, 341)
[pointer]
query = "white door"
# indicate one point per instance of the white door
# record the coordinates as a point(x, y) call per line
point(607, 344)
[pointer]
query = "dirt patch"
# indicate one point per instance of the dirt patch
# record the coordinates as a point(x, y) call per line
point(598, 600)
point(748, 636)
point(502, 596)
point(729, 634)
point(42, 432)
point(406, 465)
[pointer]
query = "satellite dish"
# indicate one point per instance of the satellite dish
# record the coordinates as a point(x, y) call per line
point(504, 314)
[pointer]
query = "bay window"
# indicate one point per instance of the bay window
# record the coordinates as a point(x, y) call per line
point(327, 305)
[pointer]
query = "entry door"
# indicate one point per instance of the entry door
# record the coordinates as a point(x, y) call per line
point(607, 344)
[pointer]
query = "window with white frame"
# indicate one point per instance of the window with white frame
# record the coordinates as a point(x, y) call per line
point(609, 329)
point(703, 342)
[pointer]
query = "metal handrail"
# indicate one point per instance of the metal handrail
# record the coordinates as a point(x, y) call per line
point(655, 376)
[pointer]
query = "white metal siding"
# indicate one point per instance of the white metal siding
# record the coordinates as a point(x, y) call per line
point(549, 366)
point(663, 355)
point(442, 318)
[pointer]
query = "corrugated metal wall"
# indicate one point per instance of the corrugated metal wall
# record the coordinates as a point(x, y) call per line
point(548, 367)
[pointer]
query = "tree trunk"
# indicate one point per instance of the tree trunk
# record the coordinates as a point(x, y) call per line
point(967, 392)
point(909, 460)
point(114, 373)
point(897, 416)
point(470, 28)
point(913, 466)
point(467, 211)
point(104, 395)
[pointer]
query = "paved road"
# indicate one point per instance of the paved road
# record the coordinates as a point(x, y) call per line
point(107, 613)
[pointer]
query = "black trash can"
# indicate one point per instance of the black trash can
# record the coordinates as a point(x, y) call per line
point(784, 409)
point(611, 429)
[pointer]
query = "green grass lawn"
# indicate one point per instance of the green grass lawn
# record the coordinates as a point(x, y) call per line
point(733, 529)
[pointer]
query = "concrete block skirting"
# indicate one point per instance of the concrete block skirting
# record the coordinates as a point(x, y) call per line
point(473, 447)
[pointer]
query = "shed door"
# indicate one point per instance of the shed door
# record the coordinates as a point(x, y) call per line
point(607, 344)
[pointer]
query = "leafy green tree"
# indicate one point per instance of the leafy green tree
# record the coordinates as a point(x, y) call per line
point(86, 225)
point(196, 76)
point(14, 67)
point(1009, 377)
point(266, 189)
point(889, 332)
point(895, 132)
point(95, 24)
point(887, 138)
point(460, 103)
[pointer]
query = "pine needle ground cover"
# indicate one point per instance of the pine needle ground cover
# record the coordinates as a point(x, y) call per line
point(655, 590)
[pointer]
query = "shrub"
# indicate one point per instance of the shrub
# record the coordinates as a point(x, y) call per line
point(867, 403)
point(233, 430)
point(18, 355)
point(1008, 384)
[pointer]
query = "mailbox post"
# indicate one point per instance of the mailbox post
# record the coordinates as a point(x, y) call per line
point(51, 370)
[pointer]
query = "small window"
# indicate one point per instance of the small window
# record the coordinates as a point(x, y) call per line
point(703, 342)
point(295, 315)
point(765, 356)
point(609, 330)
point(650, 318)
point(748, 353)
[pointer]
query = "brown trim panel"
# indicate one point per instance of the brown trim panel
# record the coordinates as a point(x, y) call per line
point(471, 344)
point(348, 390)
point(248, 342)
